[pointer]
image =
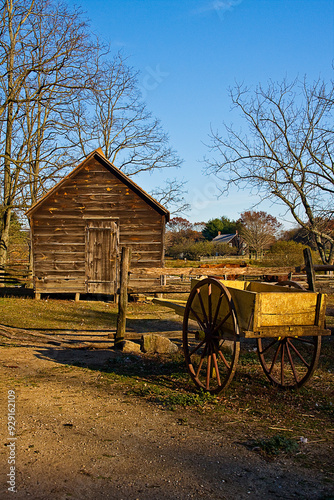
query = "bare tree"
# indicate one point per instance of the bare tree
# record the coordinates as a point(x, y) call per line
point(46, 51)
point(286, 153)
point(114, 117)
point(171, 195)
point(58, 102)
point(13, 74)
point(259, 230)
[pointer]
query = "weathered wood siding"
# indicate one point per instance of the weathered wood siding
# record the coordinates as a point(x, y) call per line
point(93, 198)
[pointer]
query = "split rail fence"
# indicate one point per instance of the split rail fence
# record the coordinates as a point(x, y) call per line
point(16, 274)
point(178, 280)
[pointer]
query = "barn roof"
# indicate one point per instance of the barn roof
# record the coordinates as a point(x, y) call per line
point(115, 171)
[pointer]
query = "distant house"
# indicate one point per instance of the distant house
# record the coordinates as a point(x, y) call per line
point(78, 227)
point(232, 240)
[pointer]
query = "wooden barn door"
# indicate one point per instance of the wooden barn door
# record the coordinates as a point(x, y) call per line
point(101, 256)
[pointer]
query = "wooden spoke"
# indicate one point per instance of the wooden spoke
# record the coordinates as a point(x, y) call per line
point(200, 363)
point(221, 324)
point(304, 340)
point(224, 360)
point(299, 355)
point(215, 362)
point(202, 307)
point(282, 364)
point(214, 321)
point(220, 356)
point(199, 321)
point(208, 373)
point(210, 302)
point(197, 347)
point(269, 346)
point(211, 363)
point(289, 362)
point(275, 357)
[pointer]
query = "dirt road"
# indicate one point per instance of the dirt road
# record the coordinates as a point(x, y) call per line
point(82, 435)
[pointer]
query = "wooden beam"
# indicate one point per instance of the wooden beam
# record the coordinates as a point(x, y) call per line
point(142, 288)
point(324, 267)
point(309, 269)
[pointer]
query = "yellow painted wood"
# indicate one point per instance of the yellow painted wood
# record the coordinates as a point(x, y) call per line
point(255, 286)
point(245, 303)
point(178, 305)
point(238, 285)
point(263, 305)
point(285, 331)
point(288, 309)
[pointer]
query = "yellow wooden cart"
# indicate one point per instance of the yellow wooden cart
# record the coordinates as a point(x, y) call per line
point(286, 321)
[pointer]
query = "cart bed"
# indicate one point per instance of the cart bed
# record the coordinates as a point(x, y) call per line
point(267, 310)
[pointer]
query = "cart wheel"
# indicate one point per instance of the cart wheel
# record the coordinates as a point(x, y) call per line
point(211, 340)
point(289, 362)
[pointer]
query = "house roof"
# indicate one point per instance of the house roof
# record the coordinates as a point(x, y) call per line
point(224, 238)
point(97, 154)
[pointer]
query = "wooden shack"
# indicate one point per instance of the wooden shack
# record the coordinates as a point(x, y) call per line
point(78, 227)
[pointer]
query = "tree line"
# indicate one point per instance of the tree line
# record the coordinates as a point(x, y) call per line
point(259, 233)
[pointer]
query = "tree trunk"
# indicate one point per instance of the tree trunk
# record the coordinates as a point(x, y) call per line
point(4, 237)
point(7, 179)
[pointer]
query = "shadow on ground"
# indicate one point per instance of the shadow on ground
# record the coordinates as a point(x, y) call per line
point(162, 370)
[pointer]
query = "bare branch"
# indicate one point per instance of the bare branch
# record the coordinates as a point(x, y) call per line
point(286, 153)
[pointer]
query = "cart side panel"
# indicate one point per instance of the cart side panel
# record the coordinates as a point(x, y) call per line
point(256, 286)
point(240, 285)
point(289, 309)
point(320, 316)
point(246, 306)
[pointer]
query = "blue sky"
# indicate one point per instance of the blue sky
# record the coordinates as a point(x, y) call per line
point(190, 52)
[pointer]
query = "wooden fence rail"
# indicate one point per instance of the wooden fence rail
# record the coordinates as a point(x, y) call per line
point(176, 280)
point(16, 275)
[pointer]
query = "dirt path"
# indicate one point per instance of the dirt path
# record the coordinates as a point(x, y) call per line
point(80, 436)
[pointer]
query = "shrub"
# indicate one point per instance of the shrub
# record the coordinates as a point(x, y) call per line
point(193, 251)
point(225, 249)
point(285, 253)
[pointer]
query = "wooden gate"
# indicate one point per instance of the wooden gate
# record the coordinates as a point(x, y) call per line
point(101, 256)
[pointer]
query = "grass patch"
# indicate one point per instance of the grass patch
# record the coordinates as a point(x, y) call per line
point(174, 399)
point(200, 399)
point(53, 314)
point(161, 380)
point(57, 314)
point(275, 445)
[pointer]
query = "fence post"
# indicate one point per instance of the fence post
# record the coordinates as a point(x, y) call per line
point(123, 298)
point(163, 282)
point(309, 269)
